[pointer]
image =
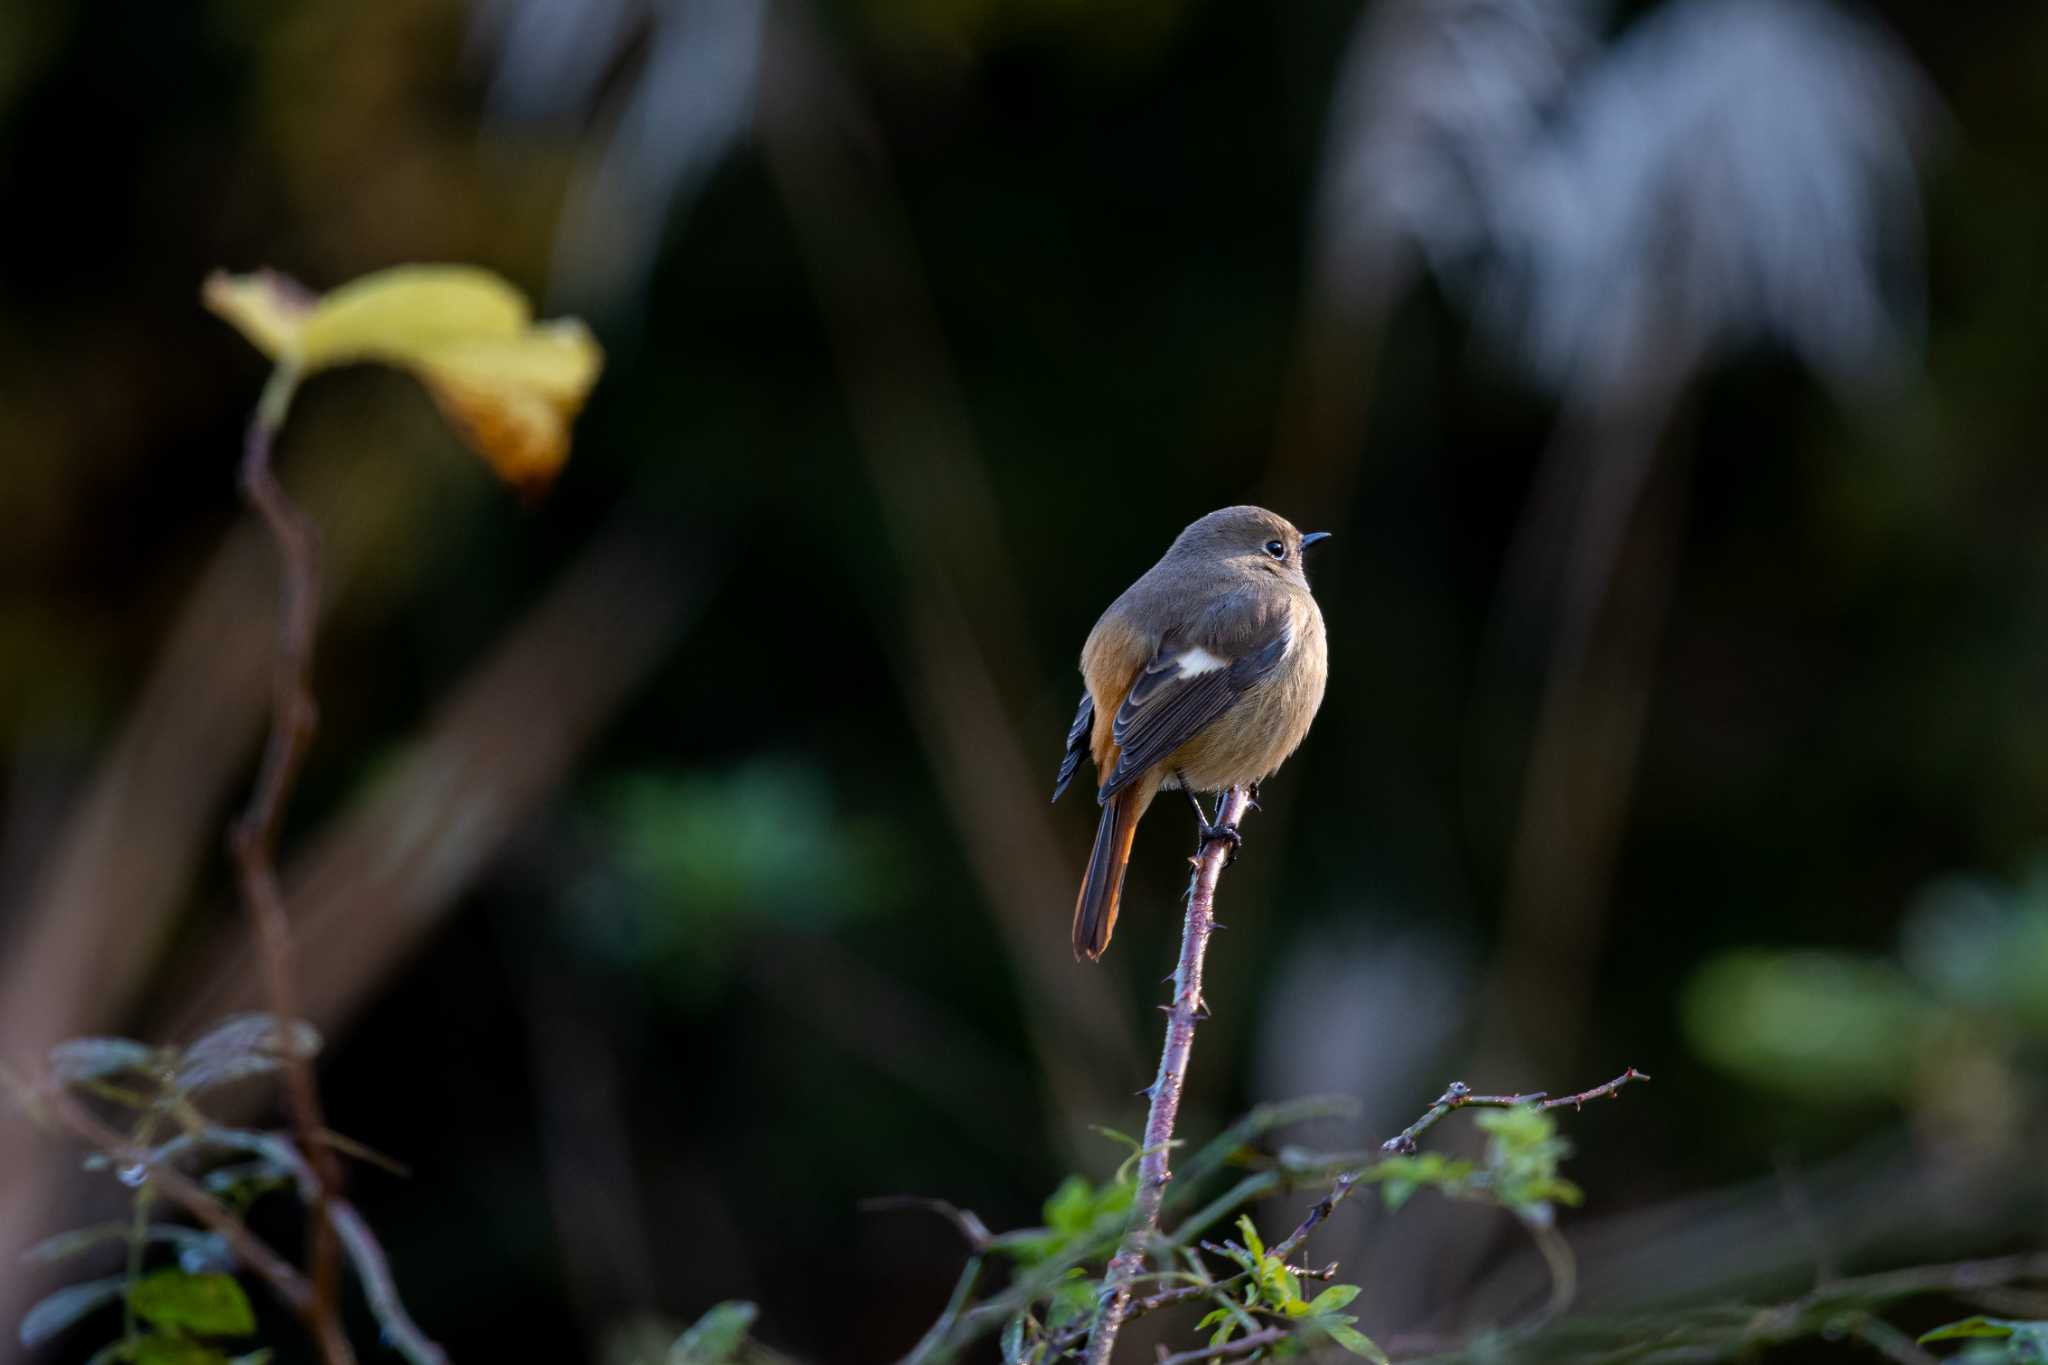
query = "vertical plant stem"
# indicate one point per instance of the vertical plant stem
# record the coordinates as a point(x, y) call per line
point(932, 1345)
point(253, 838)
point(1181, 1017)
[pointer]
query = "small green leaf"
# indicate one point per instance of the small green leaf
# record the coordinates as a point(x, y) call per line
point(1520, 1125)
point(1071, 1207)
point(1401, 1176)
point(1028, 1245)
point(172, 1350)
point(1333, 1298)
point(1211, 1318)
point(1272, 1278)
point(53, 1314)
point(1977, 1326)
point(716, 1337)
point(1251, 1235)
point(1121, 1139)
point(209, 1305)
point(1225, 1332)
point(1551, 1189)
point(1072, 1302)
point(1353, 1340)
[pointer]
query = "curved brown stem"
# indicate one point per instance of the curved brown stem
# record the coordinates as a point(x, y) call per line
point(253, 836)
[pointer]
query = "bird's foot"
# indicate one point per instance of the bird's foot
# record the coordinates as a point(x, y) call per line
point(1251, 797)
point(1209, 833)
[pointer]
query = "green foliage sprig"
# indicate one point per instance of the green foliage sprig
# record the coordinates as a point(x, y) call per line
point(176, 1314)
point(1251, 1294)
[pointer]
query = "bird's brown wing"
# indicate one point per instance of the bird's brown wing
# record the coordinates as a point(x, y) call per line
point(1183, 688)
point(1077, 744)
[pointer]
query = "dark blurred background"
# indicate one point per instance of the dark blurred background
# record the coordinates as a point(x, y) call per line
point(673, 864)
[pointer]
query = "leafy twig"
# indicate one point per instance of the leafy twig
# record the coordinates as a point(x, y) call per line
point(1186, 1009)
point(365, 1254)
point(1460, 1096)
point(290, 1287)
point(1457, 1096)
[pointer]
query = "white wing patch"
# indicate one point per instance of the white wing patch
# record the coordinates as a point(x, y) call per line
point(1197, 661)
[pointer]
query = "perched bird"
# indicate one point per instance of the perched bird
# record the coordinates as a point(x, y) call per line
point(1205, 674)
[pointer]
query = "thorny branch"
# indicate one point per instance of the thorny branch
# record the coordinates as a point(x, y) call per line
point(1186, 1009)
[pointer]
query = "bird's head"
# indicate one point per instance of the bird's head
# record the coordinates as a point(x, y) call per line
point(1250, 540)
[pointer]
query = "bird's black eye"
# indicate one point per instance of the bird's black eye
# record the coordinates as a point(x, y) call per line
point(1277, 548)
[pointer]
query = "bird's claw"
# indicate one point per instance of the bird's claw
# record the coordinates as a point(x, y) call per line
point(1209, 834)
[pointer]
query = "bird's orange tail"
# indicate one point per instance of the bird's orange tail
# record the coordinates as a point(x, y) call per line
point(1103, 886)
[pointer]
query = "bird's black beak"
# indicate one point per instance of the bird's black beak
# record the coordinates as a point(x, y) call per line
point(1312, 537)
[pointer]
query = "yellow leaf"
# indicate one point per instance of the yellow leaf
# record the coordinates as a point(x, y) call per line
point(512, 400)
point(509, 386)
point(409, 311)
point(521, 437)
point(558, 360)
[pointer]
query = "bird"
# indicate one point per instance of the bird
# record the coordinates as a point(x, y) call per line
point(1203, 675)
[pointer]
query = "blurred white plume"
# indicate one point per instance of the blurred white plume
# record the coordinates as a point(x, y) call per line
point(685, 100)
point(1727, 171)
point(1434, 103)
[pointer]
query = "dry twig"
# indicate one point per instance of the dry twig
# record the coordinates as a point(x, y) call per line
point(1459, 1096)
point(253, 836)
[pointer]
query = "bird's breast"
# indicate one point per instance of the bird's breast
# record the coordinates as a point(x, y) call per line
point(1269, 721)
